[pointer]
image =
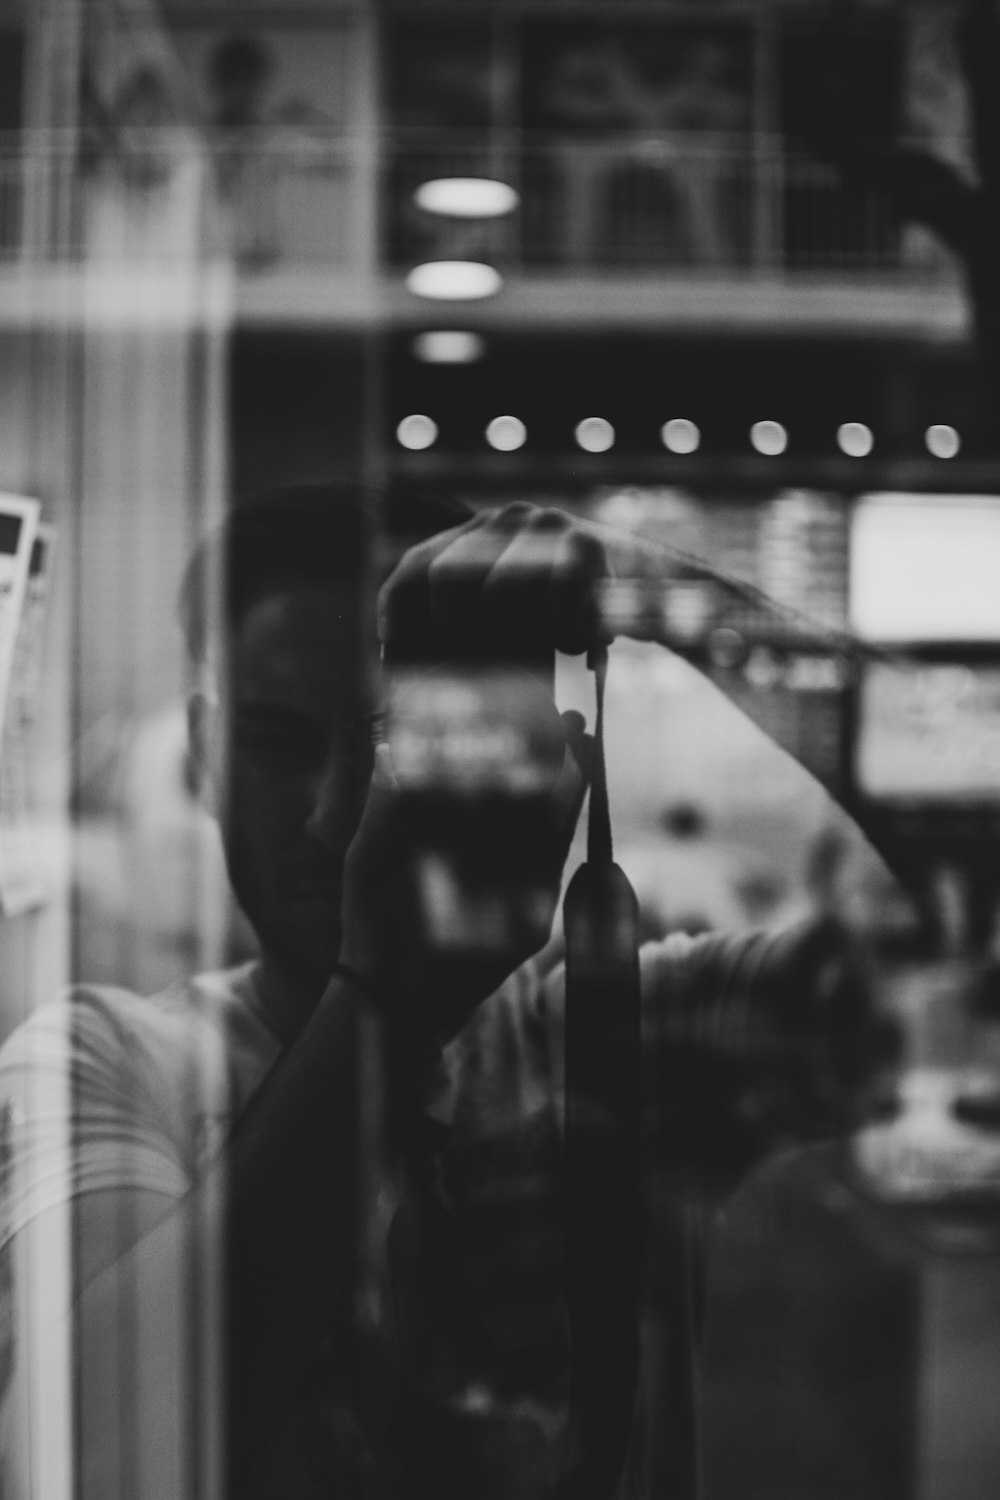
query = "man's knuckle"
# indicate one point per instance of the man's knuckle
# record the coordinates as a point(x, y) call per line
point(515, 514)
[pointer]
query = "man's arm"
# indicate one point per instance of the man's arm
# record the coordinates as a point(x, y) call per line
point(759, 1040)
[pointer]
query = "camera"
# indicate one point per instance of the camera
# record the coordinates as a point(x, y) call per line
point(476, 745)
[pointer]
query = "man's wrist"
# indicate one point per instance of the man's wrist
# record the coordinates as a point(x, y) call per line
point(417, 1043)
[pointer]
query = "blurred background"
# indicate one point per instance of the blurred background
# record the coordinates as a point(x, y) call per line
point(723, 272)
point(713, 271)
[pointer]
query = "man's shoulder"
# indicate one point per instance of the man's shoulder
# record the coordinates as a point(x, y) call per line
point(105, 1089)
point(98, 1026)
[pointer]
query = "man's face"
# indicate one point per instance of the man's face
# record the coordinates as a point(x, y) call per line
point(298, 763)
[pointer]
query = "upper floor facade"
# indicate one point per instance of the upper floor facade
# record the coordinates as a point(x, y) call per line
point(670, 161)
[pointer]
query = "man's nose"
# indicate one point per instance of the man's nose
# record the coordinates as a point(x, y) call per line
point(333, 802)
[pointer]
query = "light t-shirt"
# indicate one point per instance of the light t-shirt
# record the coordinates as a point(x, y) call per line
point(109, 1090)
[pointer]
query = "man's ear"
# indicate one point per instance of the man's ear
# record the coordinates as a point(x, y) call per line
point(205, 749)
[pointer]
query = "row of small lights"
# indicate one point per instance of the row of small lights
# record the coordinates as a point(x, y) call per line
point(462, 281)
point(596, 435)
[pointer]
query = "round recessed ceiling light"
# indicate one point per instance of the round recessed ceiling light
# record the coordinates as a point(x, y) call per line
point(506, 434)
point(417, 431)
point(769, 438)
point(466, 197)
point(855, 439)
point(942, 441)
point(680, 436)
point(595, 435)
point(449, 346)
point(454, 280)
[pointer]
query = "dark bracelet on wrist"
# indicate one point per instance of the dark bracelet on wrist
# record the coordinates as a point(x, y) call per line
point(365, 986)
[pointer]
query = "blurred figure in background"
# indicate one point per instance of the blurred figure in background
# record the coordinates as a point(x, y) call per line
point(692, 881)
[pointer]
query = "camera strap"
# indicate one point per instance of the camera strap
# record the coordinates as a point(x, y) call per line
point(601, 1157)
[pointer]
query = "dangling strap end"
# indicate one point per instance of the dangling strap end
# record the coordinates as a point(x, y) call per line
point(597, 657)
point(599, 847)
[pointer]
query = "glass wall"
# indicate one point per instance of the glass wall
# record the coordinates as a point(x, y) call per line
point(499, 795)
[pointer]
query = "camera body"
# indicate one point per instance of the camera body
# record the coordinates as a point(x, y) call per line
point(476, 745)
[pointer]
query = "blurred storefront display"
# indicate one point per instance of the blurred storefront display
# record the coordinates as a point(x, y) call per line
point(221, 270)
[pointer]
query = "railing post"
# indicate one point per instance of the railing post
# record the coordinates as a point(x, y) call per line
point(51, 123)
point(364, 150)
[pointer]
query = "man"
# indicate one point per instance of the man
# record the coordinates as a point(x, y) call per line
point(206, 1141)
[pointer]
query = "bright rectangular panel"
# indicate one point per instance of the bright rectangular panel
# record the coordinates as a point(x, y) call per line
point(925, 568)
point(929, 732)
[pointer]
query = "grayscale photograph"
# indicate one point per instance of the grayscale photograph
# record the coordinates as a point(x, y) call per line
point(499, 749)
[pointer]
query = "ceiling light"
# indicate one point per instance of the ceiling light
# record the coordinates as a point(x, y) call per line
point(466, 197)
point(417, 431)
point(855, 439)
point(449, 346)
point(506, 434)
point(454, 280)
point(769, 438)
point(680, 436)
point(942, 441)
point(595, 435)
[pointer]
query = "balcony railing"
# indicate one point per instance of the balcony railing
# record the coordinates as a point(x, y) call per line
point(650, 202)
point(628, 204)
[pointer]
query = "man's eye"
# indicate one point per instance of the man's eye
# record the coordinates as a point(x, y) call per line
point(307, 743)
point(281, 740)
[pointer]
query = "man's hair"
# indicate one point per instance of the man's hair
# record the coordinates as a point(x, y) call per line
point(303, 534)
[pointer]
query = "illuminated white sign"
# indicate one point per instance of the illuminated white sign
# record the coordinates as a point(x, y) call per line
point(925, 568)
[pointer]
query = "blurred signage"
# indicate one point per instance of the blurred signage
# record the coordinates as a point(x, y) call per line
point(923, 582)
point(792, 545)
point(18, 528)
point(22, 875)
point(924, 568)
point(929, 731)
